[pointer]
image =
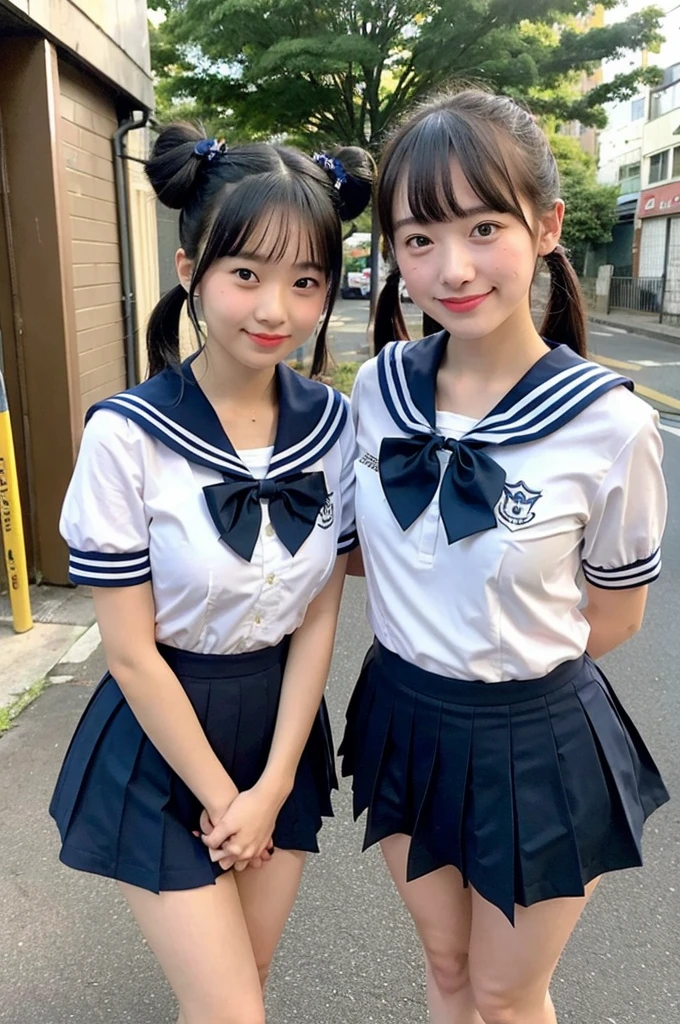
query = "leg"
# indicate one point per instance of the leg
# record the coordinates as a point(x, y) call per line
point(200, 939)
point(440, 908)
point(267, 896)
point(511, 968)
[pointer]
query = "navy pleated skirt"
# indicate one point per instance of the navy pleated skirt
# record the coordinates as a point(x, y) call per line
point(530, 788)
point(121, 810)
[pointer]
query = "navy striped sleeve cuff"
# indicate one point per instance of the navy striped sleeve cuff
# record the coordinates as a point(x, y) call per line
point(637, 574)
point(348, 542)
point(98, 569)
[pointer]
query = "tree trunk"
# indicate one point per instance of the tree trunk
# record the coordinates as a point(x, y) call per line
point(375, 276)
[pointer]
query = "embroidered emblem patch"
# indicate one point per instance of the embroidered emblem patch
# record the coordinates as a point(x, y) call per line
point(327, 515)
point(515, 509)
point(369, 460)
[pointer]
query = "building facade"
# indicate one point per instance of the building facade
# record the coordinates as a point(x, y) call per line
point(78, 247)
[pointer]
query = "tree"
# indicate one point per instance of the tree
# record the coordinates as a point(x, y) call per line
point(346, 70)
point(590, 207)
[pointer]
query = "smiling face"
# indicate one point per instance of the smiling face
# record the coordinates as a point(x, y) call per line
point(259, 308)
point(471, 273)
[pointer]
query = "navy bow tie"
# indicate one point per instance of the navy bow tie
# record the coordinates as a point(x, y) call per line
point(410, 470)
point(294, 504)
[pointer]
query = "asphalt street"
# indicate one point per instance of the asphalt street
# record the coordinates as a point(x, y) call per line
point(70, 952)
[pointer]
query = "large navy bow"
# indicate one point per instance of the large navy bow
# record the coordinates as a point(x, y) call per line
point(410, 470)
point(294, 504)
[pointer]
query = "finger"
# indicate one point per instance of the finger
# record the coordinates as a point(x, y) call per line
point(205, 823)
point(218, 836)
point(241, 865)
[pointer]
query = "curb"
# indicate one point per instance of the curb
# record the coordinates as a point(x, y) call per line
point(658, 335)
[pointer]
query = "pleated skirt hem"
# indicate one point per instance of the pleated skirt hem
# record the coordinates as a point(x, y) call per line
point(531, 789)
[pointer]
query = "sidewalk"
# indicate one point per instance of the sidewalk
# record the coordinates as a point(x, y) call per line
point(63, 617)
point(637, 323)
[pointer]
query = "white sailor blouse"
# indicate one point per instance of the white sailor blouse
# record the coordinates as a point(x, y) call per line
point(235, 544)
point(476, 536)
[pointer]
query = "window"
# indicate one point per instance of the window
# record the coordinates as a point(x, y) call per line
point(658, 167)
point(630, 171)
point(664, 100)
point(637, 109)
point(675, 173)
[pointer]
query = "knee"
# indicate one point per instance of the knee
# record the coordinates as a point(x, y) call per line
point(496, 1006)
point(448, 969)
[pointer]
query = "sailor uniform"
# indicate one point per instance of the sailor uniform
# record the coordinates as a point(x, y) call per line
point(476, 538)
point(236, 546)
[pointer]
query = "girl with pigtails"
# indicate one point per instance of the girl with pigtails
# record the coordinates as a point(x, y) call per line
point(510, 505)
point(211, 511)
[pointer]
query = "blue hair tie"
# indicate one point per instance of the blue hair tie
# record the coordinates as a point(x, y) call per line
point(209, 149)
point(332, 165)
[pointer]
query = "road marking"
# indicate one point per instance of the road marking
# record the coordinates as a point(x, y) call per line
point(653, 362)
point(86, 645)
point(602, 334)
point(669, 430)
point(618, 364)
point(658, 396)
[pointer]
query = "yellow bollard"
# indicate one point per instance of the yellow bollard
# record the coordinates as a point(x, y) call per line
point(11, 525)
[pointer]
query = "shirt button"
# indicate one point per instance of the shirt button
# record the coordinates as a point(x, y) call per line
point(271, 578)
point(258, 620)
point(269, 530)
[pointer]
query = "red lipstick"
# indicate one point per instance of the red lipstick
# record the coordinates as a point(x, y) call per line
point(267, 340)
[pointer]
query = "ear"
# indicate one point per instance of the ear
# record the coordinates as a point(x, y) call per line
point(550, 228)
point(185, 268)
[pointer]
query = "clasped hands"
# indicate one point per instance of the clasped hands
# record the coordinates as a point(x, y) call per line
point(241, 836)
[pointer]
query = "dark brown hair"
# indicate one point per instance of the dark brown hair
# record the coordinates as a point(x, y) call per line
point(505, 157)
point(227, 195)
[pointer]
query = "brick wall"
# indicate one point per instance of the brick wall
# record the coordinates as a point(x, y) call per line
point(88, 122)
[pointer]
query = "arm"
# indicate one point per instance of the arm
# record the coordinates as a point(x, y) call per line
point(126, 618)
point(613, 616)
point(251, 818)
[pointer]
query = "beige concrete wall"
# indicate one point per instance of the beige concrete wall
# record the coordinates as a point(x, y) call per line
point(87, 123)
point(109, 35)
point(144, 235)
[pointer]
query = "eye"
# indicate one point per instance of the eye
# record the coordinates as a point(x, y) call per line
point(418, 242)
point(306, 283)
point(244, 274)
point(485, 230)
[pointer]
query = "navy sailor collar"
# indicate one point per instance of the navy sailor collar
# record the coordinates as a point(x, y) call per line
point(552, 392)
point(172, 408)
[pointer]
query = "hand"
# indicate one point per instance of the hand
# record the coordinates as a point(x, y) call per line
point(244, 831)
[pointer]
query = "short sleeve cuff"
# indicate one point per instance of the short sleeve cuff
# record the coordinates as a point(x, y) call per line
point(347, 542)
point(97, 569)
point(636, 574)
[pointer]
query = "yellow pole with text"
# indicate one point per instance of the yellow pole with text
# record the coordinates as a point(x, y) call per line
point(10, 523)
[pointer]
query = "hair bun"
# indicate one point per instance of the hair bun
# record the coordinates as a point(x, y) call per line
point(352, 171)
point(175, 167)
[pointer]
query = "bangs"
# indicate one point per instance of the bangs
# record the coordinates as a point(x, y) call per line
point(265, 215)
point(427, 150)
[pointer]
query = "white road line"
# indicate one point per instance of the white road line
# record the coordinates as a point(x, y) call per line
point(669, 430)
point(602, 334)
point(653, 362)
point(86, 645)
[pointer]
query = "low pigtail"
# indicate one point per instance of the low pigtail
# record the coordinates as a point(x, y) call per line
point(162, 333)
point(564, 321)
point(389, 316)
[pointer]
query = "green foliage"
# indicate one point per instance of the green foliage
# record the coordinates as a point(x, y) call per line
point(347, 70)
point(590, 207)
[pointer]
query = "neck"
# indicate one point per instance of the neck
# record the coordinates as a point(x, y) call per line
point(224, 379)
point(505, 354)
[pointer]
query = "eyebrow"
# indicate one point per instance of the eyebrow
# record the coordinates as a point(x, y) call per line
point(256, 258)
point(473, 211)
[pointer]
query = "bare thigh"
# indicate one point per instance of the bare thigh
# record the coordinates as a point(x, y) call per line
point(267, 896)
point(512, 967)
point(440, 906)
point(201, 941)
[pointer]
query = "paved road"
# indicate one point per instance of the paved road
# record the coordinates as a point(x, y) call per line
point(70, 953)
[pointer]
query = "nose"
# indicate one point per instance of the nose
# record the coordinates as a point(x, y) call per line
point(457, 267)
point(271, 305)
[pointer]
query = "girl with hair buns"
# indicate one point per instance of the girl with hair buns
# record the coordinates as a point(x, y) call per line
point(501, 478)
point(211, 511)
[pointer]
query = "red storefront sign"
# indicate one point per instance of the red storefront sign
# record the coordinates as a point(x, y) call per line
point(660, 201)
